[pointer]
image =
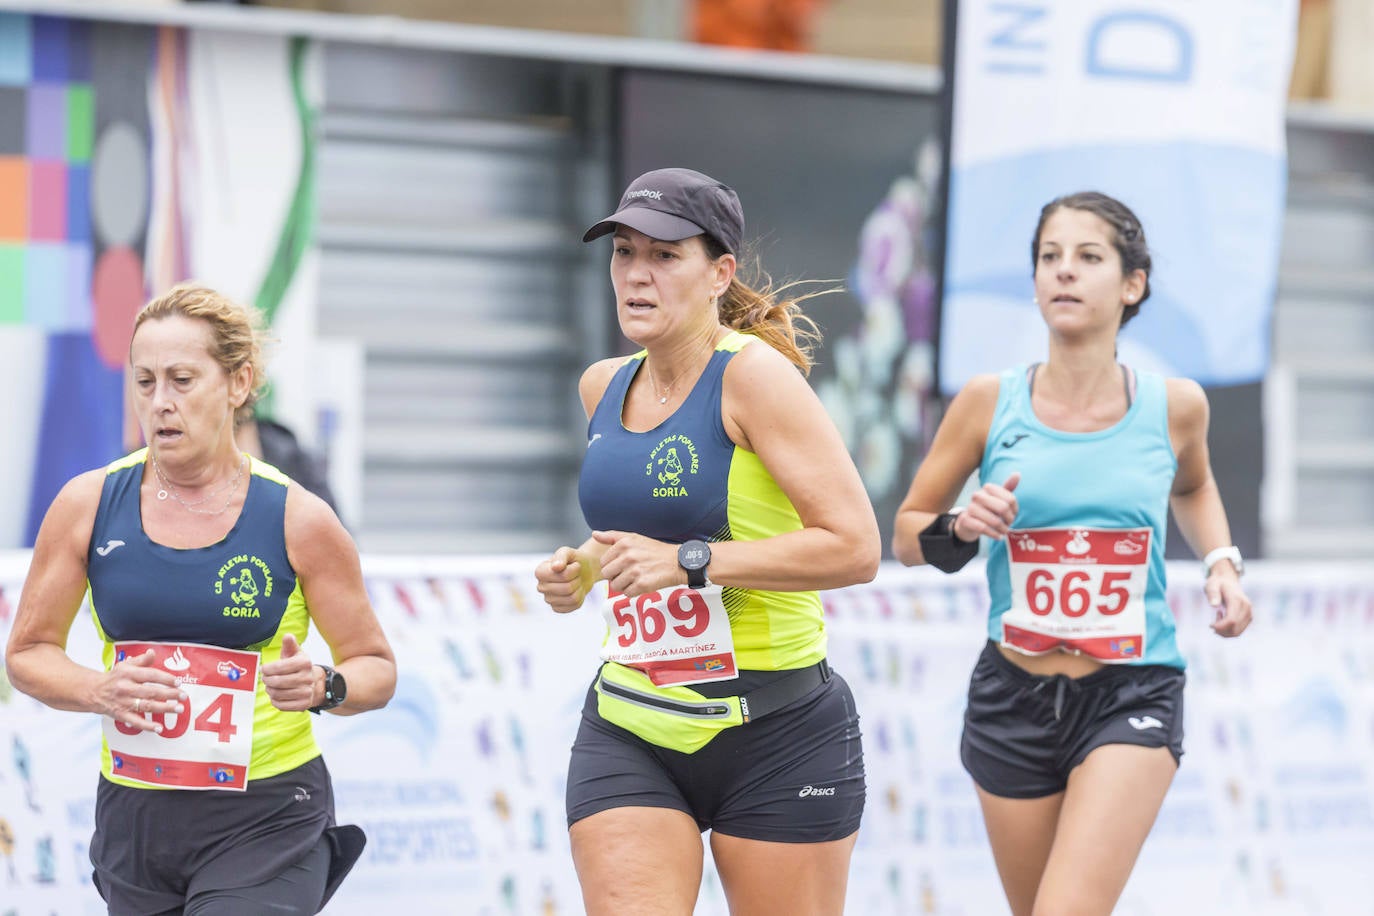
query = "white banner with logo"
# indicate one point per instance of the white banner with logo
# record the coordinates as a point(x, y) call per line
point(459, 781)
point(1175, 108)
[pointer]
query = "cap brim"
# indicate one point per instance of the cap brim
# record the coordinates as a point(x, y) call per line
point(653, 223)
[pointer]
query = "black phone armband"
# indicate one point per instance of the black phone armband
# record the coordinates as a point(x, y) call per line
point(942, 548)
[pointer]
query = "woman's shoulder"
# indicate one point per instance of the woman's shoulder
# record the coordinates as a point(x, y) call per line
point(979, 393)
point(755, 353)
point(74, 508)
point(1185, 390)
point(1187, 401)
point(596, 378)
point(985, 384)
point(86, 486)
point(602, 371)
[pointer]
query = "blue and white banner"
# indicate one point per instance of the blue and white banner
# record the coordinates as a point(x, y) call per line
point(1177, 109)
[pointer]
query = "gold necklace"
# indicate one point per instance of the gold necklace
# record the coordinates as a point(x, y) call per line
point(167, 489)
point(653, 380)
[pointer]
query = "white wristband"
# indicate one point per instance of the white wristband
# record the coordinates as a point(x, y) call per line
point(1230, 552)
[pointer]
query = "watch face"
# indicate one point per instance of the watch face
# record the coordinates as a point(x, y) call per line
point(694, 555)
point(335, 685)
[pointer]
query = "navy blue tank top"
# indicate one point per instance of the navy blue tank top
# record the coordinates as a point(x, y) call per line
point(670, 483)
point(233, 593)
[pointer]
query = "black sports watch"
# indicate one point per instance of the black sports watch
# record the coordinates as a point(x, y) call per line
point(694, 556)
point(335, 690)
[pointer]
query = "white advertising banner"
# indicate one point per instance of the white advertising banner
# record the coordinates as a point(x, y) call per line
point(459, 782)
point(1175, 108)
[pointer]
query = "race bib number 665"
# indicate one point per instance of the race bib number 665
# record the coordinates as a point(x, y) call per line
point(1081, 589)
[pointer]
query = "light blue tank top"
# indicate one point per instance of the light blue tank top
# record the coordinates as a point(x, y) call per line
point(1115, 479)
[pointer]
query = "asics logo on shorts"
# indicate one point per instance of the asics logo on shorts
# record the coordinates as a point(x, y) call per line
point(1140, 723)
point(812, 790)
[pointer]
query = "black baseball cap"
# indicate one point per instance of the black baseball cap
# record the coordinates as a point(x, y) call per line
point(676, 204)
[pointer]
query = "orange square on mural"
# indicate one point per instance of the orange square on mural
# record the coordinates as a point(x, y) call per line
point(14, 199)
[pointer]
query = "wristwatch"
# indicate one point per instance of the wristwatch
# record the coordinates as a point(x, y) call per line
point(694, 556)
point(1231, 553)
point(335, 690)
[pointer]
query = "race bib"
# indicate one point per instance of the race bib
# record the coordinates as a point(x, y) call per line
point(677, 636)
point(210, 743)
point(1081, 589)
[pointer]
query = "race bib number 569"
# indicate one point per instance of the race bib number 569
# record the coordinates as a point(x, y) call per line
point(210, 743)
point(676, 636)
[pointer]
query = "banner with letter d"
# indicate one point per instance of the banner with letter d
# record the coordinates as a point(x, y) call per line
point(1174, 107)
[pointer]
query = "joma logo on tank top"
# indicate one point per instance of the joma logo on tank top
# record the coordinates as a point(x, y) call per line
point(671, 462)
point(244, 580)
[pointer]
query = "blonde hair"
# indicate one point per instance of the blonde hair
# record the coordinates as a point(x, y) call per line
point(237, 338)
point(760, 309)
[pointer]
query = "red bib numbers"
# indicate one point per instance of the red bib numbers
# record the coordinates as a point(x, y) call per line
point(210, 743)
point(675, 636)
point(1078, 588)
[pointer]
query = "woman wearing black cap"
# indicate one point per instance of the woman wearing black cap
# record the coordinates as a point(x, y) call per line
point(721, 499)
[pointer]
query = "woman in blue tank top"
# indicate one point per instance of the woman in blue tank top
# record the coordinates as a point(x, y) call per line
point(721, 500)
point(1074, 724)
point(205, 570)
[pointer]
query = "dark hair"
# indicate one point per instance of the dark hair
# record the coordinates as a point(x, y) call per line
point(1128, 236)
point(763, 312)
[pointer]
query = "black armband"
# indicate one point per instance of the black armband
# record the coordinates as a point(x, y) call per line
point(942, 548)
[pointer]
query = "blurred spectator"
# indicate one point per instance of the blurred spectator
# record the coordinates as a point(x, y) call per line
point(1351, 79)
point(779, 25)
point(1312, 52)
point(279, 447)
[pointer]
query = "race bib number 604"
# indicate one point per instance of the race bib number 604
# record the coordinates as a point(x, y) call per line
point(1081, 589)
point(210, 743)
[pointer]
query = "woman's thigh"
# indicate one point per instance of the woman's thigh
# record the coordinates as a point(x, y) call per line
point(638, 860)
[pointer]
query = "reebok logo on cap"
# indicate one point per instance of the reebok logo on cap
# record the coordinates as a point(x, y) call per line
point(676, 204)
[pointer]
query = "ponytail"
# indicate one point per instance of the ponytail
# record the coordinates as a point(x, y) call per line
point(763, 312)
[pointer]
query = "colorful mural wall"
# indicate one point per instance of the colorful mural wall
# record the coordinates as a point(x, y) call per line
point(74, 186)
point(133, 157)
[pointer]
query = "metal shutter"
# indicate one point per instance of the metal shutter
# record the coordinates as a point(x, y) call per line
point(450, 190)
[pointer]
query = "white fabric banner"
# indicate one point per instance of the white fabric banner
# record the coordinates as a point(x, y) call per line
point(1177, 109)
point(459, 781)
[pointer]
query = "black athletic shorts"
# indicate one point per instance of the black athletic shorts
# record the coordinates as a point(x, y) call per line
point(156, 849)
point(793, 776)
point(1024, 733)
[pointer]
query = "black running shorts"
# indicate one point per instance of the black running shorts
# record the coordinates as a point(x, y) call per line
point(793, 776)
point(156, 850)
point(1024, 733)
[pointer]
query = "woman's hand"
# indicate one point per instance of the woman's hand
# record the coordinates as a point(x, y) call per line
point(290, 680)
point(991, 511)
point(133, 689)
point(566, 578)
point(1231, 603)
point(635, 565)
